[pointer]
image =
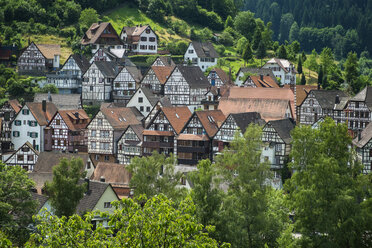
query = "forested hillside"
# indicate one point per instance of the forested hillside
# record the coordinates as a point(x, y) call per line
point(342, 25)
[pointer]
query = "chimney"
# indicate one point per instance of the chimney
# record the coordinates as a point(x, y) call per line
point(86, 180)
point(76, 115)
point(99, 22)
point(43, 105)
point(102, 179)
point(218, 92)
point(337, 100)
point(359, 136)
point(49, 97)
point(261, 77)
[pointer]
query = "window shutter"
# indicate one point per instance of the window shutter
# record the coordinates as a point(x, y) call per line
point(36, 134)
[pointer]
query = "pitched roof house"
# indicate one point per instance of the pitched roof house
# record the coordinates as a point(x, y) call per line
point(363, 144)
point(155, 78)
point(163, 61)
point(8, 112)
point(140, 39)
point(125, 83)
point(61, 101)
point(26, 157)
point(260, 81)
point(282, 69)
point(240, 75)
point(130, 144)
point(201, 54)
point(101, 34)
point(218, 77)
point(144, 100)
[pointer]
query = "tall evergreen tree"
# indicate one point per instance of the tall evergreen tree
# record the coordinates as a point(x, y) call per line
point(303, 56)
point(282, 54)
point(257, 38)
point(299, 66)
point(303, 79)
point(261, 51)
point(247, 53)
point(351, 72)
point(229, 22)
point(320, 77)
point(294, 32)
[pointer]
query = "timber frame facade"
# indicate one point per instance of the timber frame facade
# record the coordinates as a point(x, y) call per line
point(26, 157)
point(32, 61)
point(130, 144)
point(125, 84)
point(7, 114)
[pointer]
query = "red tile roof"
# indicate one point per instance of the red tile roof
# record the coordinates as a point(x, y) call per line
point(157, 133)
point(265, 82)
point(177, 117)
point(43, 118)
point(211, 120)
point(15, 105)
point(73, 118)
point(162, 72)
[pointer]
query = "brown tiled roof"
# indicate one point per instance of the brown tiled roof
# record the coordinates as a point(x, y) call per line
point(120, 118)
point(270, 109)
point(177, 117)
point(135, 72)
point(222, 75)
point(265, 82)
point(135, 31)
point(301, 92)
point(61, 101)
point(157, 133)
point(162, 72)
point(261, 93)
point(365, 137)
point(25, 144)
point(15, 105)
point(196, 137)
point(112, 173)
point(211, 120)
point(49, 50)
point(71, 116)
point(42, 117)
point(96, 30)
point(167, 60)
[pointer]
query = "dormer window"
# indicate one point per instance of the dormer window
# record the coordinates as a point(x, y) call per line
point(147, 31)
point(191, 51)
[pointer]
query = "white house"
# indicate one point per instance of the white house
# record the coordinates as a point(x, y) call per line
point(201, 54)
point(126, 83)
point(282, 69)
point(144, 100)
point(29, 124)
point(26, 157)
point(243, 73)
point(139, 39)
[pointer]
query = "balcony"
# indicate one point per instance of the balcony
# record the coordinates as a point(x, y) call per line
point(157, 144)
point(191, 149)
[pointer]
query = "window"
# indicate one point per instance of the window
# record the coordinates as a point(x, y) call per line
point(148, 30)
point(356, 104)
point(152, 39)
point(93, 145)
point(107, 205)
point(107, 158)
point(61, 132)
point(93, 133)
point(97, 157)
point(91, 88)
point(130, 85)
point(25, 111)
point(143, 38)
point(191, 51)
point(140, 99)
point(147, 109)
point(99, 122)
point(33, 134)
point(88, 165)
point(30, 157)
point(141, 108)
point(19, 157)
point(17, 122)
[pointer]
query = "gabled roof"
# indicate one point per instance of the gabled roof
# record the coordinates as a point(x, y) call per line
point(283, 128)
point(365, 137)
point(364, 96)
point(108, 69)
point(61, 101)
point(244, 119)
point(162, 72)
point(167, 61)
point(264, 81)
point(113, 173)
point(81, 61)
point(92, 35)
point(283, 63)
point(301, 92)
point(136, 74)
point(194, 76)
point(47, 160)
point(71, 116)
point(177, 116)
point(222, 75)
point(211, 120)
point(204, 49)
point(42, 117)
point(149, 95)
point(257, 72)
point(327, 98)
point(121, 118)
point(135, 31)
point(15, 105)
point(49, 50)
point(137, 129)
point(28, 144)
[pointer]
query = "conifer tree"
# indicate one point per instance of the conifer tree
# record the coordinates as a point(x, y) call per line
point(229, 22)
point(247, 53)
point(257, 38)
point(299, 66)
point(320, 77)
point(303, 56)
point(303, 79)
point(261, 51)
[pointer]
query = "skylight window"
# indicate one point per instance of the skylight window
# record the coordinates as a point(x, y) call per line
point(177, 116)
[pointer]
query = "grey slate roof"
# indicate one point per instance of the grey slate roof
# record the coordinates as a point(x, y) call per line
point(82, 62)
point(194, 76)
point(365, 136)
point(283, 128)
point(244, 119)
point(326, 98)
point(204, 49)
point(41, 200)
point(108, 69)
point(153, 99)
point(258, 71)
point(61, 101)
point(165, 102)
point(47, 160)
point(364, 95)
point(136, 74)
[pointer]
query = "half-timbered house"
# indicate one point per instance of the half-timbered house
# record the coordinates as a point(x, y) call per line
point(8, 112)
point(67, 131)
point(156, 77)
point(68, 79)
point(244, 72)
point(106, 128)
point(112, 55)
point(162, 102)
point(195, 141)
point(125, 84)
point(363, 145)
point(160, 134)
point(163, 61)
point(26, 157)
point(97, 82)
point(143, 100)
point(218, 77)
point(277, 138)
point(101, 35)
point(201, 54)
point(140, 39)
point(37, 59)
point(130, 144)
point(30, 122)
point(234, 123)
point(186, 86)
point(321, 103)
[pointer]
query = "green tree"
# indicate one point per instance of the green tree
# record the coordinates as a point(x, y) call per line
point(157, 10)
point(285, 26)
point(327, 60)
point(156, 223)
point(247, 53)
point(229, 22)
point(294, 32)
point(257, 38)
point(282, 53)
point(261, 51)
point(245, 24)
point(311, 61)
point(299, 65)
point(241, 45)
point(352, 72)
point(88, 17)
point(303, 55)
point(155, 174)
point(327, 190)
point(303, 79)
point(16, 203)
point(246, 210)
point(65, 191)
point(49, 88)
